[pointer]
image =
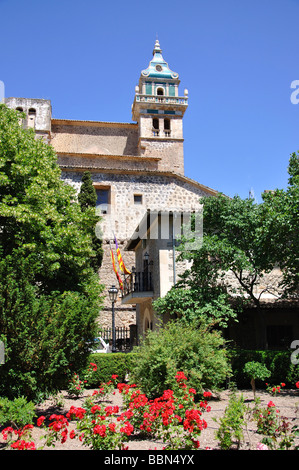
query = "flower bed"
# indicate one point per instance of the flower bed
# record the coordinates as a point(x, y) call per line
point(120, 416)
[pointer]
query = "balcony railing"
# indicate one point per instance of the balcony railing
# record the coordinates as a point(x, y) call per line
point(162, 99)
point(164, 133)
point(137, 287)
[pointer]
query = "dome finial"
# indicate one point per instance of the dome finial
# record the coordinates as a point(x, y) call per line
point(157, 47)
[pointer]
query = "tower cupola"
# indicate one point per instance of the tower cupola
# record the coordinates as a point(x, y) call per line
point(159, 110)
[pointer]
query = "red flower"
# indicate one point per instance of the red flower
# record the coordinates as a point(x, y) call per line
point(6, 431)
point(94, 366)
point(23, 445)
point(40, 420)
point(127, 429)
point(180, 377)
point(112, 427)
point(100, 429)
point(77, 412)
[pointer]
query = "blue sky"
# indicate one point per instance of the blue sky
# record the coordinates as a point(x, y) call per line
point(237, 58)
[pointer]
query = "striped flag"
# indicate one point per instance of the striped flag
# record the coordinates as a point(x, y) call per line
point(120, 260)
point(121, 285)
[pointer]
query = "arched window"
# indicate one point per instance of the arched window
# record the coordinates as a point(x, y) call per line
point(19, 109)
point(167, 124)
point(155, 126)
point(167, 127)
point(160, 91)
point(31, 117)
point(156, 123)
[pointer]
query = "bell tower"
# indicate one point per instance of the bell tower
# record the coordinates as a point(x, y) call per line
point(159, 110)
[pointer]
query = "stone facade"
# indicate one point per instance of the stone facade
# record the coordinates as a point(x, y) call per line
point(139, 166)
point(137, 169)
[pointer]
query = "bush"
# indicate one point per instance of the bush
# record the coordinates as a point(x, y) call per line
point(277, 362)
point(196, 351)
point(230, 424)
point(50, 297)
point(45, 337)
point(120, 364)
point(17, 412)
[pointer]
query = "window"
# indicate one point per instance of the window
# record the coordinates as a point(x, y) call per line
point(102, 200)
point(155, 126)
point(137, 199)
point(160, 91)
point(167, 124)
point(156, 123)
point(167, 127)
point(31, 117)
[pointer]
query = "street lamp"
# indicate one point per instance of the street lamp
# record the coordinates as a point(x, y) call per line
point(113, 295)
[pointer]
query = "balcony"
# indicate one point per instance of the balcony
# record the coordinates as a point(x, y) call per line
point(181, 100)
point(138, 287)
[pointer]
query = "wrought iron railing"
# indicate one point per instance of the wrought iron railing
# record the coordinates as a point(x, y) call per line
point(125, 337)
point(138, 282)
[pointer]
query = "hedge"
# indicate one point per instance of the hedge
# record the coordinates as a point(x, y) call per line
point(120, 364)
point(278, 362)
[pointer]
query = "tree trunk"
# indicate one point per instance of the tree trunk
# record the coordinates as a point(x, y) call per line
point(253, 386)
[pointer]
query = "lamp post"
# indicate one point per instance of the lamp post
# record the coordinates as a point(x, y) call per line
point(113, 295)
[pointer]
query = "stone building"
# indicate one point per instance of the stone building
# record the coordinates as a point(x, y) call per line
point(137, 169)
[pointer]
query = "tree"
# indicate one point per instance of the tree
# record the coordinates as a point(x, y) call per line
point(242, 243)
point(87, 198)
point(50, 296)
point(192, 304)
point(281, 212)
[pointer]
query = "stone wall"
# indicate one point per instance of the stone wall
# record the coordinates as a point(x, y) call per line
point(170, 152)
point(158, 193)
point(125, 315)
point(99, 138)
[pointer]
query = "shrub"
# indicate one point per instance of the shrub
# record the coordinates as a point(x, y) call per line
point(46, 335)
point(230, 424)
point(198, 352)
point(255, 370)
point(17, 412)
point(277, 362)
point(120, 364)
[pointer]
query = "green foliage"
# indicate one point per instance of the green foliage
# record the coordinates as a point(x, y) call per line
point(280, 212)
point(277, 362)
point(242, 242)
point(50, 296)
point(120, 364)
point(232, 242)
point(196, 351)
point(87, 198)
point(190, 305)
point(230, 430)
point(256, 370)
point(17, 412)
